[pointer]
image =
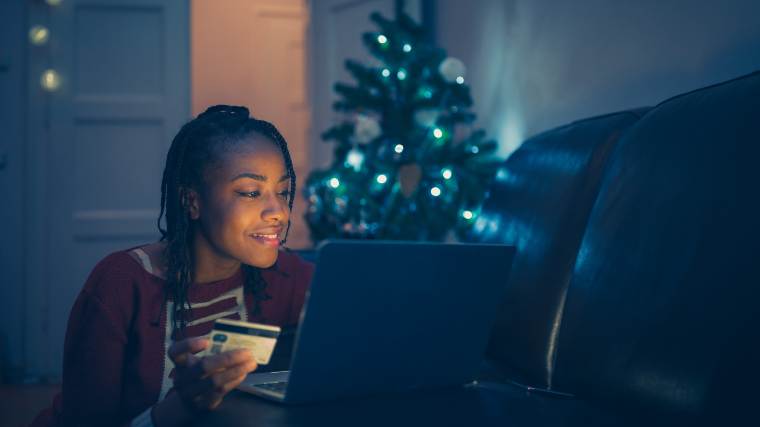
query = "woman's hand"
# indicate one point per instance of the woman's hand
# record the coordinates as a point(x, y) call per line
point(201, 382)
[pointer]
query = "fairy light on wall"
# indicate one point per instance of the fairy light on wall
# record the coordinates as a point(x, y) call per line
point(50, 80)
point(39, 35)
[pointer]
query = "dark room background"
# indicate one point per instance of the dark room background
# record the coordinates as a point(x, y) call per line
point(79, 165)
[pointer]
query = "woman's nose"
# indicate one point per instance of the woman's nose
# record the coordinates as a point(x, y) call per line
point(274, 210)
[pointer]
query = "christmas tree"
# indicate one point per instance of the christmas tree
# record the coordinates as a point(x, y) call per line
point(407, 163)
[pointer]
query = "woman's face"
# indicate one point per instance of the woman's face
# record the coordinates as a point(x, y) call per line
point(243, 209)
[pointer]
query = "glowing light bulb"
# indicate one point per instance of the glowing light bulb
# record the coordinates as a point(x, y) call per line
point(467, 214)
point(446, 173)
point(382, 39)
point(435, 191)
point(460, 80)
point(401, 74)
point(407, 47)
point(438, 133)
point(381, 179)
point(50, 80)
point(386, 72)
point(398, 148)
point(39, 35)
point(334, 183)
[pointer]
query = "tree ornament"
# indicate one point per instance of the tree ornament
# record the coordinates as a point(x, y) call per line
point(409, 176)
point(451, 68)
point(366, 129)
point(355, 159)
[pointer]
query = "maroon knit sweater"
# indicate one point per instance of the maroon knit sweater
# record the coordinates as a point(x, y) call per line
point(115, 363)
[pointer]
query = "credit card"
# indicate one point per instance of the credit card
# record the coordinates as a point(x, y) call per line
point(233, 334)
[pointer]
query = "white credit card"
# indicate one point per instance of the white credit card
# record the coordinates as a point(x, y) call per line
point(233, 334)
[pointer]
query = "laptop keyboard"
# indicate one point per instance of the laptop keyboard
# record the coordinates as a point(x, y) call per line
point(278, 386)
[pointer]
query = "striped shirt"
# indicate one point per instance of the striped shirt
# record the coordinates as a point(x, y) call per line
point(116, 364)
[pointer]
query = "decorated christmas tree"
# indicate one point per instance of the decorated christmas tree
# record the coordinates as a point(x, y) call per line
point(407, 163)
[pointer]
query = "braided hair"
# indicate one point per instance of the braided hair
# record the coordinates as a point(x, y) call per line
point(199, 143)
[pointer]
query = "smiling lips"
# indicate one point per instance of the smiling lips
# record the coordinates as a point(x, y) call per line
point(269, 237)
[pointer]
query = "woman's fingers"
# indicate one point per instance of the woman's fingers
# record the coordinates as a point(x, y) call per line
point(203, 392)
point(218, 362)
point(230, 378)
point(180, 351)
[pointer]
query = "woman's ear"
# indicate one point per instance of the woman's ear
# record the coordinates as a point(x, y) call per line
point(190, 202)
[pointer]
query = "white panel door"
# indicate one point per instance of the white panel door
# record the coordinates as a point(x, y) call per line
point(336, 27)
point(125, 92)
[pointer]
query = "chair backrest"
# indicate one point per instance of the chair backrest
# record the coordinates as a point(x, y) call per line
point(662, 310)
point(540, 202)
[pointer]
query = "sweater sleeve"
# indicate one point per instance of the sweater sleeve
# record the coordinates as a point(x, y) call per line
point(93, 360)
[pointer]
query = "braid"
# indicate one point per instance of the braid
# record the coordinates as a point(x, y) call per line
point(191, 151)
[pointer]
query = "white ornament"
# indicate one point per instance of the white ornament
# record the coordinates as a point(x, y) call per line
point(366, 129)
point(426, 118)
point(451, 69)
point(355, 159)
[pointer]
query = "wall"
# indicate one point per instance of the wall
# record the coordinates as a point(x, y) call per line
point(534, 65)
point(12, 122)
point(252, 53)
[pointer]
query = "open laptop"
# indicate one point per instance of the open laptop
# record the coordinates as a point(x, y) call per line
point(391, 316)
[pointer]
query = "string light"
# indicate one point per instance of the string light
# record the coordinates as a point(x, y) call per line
point(334, 183)
point(381, 179)
point(382, 39)
point(435, 191)
point(401, 74)
point(398, 148)
point(386, 72)
point(467, 214)
point(39, 35)
point(425, 92)
point(407, 47)
point(446, 172)
point(474, 149)
point(438, 133)
point(460, 80)
point(50, 80)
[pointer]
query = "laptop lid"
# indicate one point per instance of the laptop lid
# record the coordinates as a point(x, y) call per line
point(390, 316)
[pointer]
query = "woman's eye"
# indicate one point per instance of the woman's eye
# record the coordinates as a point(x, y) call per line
point(251, 194)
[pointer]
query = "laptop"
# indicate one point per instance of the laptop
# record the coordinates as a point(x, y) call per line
point(389, 316)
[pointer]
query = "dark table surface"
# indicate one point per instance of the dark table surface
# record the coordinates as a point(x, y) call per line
point(483, 404)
